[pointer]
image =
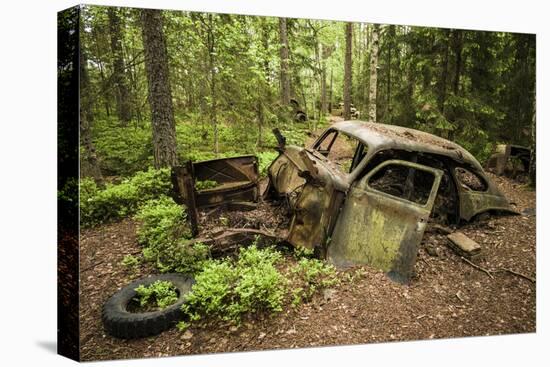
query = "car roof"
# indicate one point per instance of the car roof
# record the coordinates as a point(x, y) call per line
point(379, 136)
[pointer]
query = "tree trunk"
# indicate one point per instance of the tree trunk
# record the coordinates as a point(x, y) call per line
point(211, 42)
point(457, 45)
point(532, 162)
point(159, 92)
point(283, 51)
point(123, 102)
point(442, 92)
point(373, 73)
point(88, 156)
point(391, 36)
point(347, 72)
point(330, 93)
point(324, 107)
point(104, 87)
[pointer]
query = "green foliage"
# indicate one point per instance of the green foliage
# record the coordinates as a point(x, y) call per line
point(313, 275)
point(161, 220)
point(182, 256)
point(118, 201)
point(123, 150)
point(182, 326)
point(472, 87)
point(228, 289)
point(162, 292)
point(205, 185)
point(130, 261)
point(264, 161)
point(224, 221)
point(301, 252)
point(69, 191)
point(164, 233)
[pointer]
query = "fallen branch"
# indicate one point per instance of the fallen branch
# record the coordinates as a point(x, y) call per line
point(90, 267)
point(256, 231)
point(500, 270)
point(532, 280)
point(478, 267)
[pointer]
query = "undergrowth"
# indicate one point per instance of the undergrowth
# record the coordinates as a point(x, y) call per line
point(165, 236)
point(257, 281)
point(227, 289)
point(161, 293)
point(117, 201)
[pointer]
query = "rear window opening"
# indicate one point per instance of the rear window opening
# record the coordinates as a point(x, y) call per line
point(470, 180)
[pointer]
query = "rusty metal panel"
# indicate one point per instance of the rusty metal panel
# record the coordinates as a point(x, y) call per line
point(237, 180)
point(380, 229)
point(228, 170)
point(283, 173)
point(473, 202)
point(309, 221)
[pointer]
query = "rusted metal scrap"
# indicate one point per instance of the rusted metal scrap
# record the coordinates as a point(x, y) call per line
point(236, 179)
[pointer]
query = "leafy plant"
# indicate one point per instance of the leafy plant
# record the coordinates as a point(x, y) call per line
point(228, 289)
point(161, 292)
point(264, 161)
point(164, 234)
point(118, 201)
point(130, 261)
point(161, 220)
point(183, 325)
point(205, 185)
point(123, 150)
point(314, 275)
point(301, 252)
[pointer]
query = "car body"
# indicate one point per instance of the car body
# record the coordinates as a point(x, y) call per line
point(510, 160)
point(339, 111)
point(367, 197)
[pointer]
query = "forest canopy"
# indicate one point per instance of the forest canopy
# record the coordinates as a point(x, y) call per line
point(230, 79)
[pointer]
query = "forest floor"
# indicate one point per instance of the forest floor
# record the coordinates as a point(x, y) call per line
point(447, 298)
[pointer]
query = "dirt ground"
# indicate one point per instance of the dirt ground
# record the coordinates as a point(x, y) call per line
point(447, 298)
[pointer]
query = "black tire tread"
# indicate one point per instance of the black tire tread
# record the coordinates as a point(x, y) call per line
point(123, 324)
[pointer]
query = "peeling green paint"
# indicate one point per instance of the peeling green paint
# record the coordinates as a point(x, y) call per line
point(380, 230)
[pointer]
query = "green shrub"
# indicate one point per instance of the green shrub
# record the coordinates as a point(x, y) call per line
point(118, 201)
point(206, 184)
point(123, 150)
point(162, 293)
point(313, 275)
point(301, 252)
point(130, 261)
point(161, 220)
point(265, 159)
point(182, 257)
point(164, 233)
point(228, 289)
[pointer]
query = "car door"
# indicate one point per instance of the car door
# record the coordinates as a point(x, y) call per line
point(384, 217)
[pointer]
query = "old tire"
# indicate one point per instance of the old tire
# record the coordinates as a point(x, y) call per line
point(121, 323)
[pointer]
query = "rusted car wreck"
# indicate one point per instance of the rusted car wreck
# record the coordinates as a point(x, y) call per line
point(362, 193)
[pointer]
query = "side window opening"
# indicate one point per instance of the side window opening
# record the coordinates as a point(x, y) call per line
point(403, 182)
point(343, 151)
point(469, 180)
point(446, 205)
point(325, 145)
